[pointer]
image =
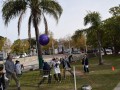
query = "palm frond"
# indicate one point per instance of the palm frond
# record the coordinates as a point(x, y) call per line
point(46, 25)
point(51, 12)
point(51, 7)
point(19, 22)
point(55, 6)
point(12, 8)
point(92, 18)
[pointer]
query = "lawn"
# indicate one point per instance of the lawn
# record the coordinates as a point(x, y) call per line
point(100, 77)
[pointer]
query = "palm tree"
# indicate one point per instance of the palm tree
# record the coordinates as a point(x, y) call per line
point(38, 10)
point(94, 19)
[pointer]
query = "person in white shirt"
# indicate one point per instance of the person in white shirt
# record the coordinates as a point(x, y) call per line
point(57, 73)
point(18, 69)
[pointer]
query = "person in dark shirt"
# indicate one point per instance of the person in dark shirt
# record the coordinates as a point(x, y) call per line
point(2, 78)
point(66, 66)
point(85, 63)
point(46, 73)
point(70, 58)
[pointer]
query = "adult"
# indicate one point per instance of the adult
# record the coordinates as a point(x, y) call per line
point(67, 67)
point(85, 64)
point(10, 72)
point(46, 73)
point(70, 58)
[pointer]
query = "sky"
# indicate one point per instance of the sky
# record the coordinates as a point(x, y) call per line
point(71, 19)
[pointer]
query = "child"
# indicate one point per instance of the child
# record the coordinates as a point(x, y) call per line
point(57, 73)
point(18, 68)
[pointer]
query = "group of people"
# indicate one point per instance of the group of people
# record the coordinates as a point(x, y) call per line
point(53, 67)
point(8, 71)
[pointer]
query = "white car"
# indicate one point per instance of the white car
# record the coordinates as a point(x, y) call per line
point(17, 57)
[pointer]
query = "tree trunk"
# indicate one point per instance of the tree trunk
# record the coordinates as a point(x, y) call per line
point(39, 50)
point(99, 49)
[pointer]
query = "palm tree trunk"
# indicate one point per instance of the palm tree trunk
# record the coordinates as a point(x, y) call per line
point(100, 49)
point(39, 50)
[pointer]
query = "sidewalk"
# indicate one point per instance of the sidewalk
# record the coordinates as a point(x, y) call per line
point(117, 87)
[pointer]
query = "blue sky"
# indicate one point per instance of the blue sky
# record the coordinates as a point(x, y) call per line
point(72, 18)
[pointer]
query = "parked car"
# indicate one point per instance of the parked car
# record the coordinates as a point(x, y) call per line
point(23, 55)
point(15, 57)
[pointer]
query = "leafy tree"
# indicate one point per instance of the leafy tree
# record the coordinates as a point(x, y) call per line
point(78, 39)
point(7, 45)
point(2, 41)
point(23, 46)
point(113, 25)
point(115, 11)
point(112, 33)
point(94, 19)
point(38, 9)
point(32, 42)
point(14, 47)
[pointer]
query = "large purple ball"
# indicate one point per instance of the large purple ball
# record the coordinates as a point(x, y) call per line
point(43, 39)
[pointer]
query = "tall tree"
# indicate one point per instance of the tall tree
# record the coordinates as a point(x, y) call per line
point(2, 41)
point(113, 24)
point(112, 33)
point(94, 19)
point(23, 46)
point(38, 9)
point(15, 45)
point(115, 11)
point(78, 39)
point(7, 45)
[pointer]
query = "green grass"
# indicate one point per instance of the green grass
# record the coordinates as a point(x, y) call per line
point(101, 77)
